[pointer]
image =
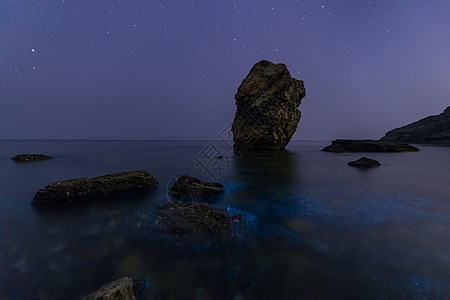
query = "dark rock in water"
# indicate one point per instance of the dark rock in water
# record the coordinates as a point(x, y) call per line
point(197, 221)
point(87, 189)
point(30, 157)
point(191, 188)
point(267, 112)
point(430, 130)
point(122, 289)
point(364, 163)
point(341, 146)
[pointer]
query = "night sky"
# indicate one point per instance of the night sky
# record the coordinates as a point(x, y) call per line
point(169, 69)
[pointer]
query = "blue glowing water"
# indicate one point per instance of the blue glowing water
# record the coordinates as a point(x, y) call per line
point(317, 228)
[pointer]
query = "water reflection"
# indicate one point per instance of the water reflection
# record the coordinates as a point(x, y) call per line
point(264, 171)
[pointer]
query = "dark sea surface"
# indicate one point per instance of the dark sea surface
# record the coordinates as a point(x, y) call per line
point(318, 229)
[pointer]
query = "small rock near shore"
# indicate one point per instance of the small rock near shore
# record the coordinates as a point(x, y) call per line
point(122, 289)
point(81, 190)
point(364, 163)
point(30, 157)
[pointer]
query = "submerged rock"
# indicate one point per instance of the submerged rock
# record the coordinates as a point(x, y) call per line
point(30, 157)
point(341, 146)
point(364, 163)
point(430, 130)
point(122, 289)
point(191, 188)
point(267, 112)
point(197, 221)
point(87, 189)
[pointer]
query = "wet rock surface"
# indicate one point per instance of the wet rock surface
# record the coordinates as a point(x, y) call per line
point(188, 188)
point(30, 157)
point(364, 163)
point(82, 190)
point(341, 146)
point(122, 289)
point(430, 130)
point(267, 112)
point(197, 221)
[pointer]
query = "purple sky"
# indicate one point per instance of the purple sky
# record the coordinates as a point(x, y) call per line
point(145, 69)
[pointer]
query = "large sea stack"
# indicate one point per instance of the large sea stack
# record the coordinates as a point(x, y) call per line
point(430, 130)
point(267, 112)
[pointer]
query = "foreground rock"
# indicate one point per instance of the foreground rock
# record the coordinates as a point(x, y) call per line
point(30, 157)
point(430, 130)
point(364, 163)
point(197, 221)
point(122, 289)
point(267, 112)
point(191, 188)
point(87, 189)
point(341, 146)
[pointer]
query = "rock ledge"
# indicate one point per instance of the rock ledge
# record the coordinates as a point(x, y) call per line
point(341, 146)
point(83, 190)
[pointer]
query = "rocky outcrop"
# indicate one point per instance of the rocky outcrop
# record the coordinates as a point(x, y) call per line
point(267, 112)
point(430, 130)
point(341, 146)
point(88, 189)
point(188, 188)
point(196, 221)
point(122, 289)
point(364, 163)
point(30, 157)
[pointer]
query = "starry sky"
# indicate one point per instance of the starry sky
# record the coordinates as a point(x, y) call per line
point(143, 69)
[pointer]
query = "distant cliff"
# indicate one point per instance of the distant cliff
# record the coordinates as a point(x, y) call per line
point(430, 130)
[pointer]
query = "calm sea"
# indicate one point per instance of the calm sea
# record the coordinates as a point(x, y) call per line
point(319, 229)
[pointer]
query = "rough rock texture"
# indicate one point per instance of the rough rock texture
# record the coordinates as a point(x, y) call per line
point(196, 220)
point(364, 163)
point(30, 157)
point(430, 130)
point(341, 146)
point(267, 112)
point(191, 188)
point(86, 189)
point(122, 289)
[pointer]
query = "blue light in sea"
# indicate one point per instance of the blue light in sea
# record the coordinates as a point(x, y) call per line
point(250, 219)
point(233, 186)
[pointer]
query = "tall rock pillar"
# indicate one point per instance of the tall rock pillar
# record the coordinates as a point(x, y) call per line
point(267, 112)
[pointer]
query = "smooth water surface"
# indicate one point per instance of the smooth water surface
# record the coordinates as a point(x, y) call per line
point(319, 229)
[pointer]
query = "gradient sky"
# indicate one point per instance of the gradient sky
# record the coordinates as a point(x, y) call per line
point(135, 69)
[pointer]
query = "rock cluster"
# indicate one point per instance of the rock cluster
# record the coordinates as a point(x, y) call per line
point(341, 146)
point(30, 157)
point(122, 289)
point(187, 220)
point(364, 163)
point(83, 190)
point(430, 130)
point(267, 112)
